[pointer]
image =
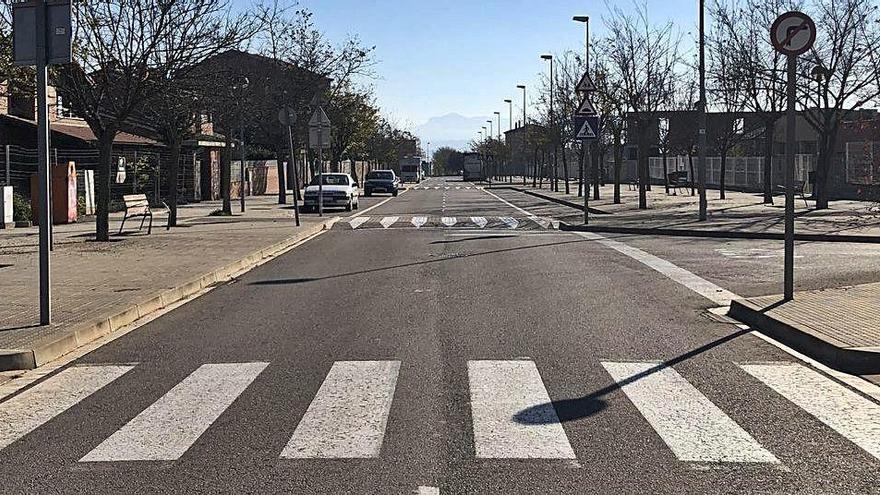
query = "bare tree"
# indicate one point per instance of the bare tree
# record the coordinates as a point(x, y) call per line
point(846, 65)
point(644, 58)
point(609, 101)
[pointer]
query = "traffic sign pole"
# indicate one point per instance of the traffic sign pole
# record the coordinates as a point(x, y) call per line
point(43, 166)
point(792, 34)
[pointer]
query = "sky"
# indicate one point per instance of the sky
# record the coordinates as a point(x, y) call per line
point(464, 56)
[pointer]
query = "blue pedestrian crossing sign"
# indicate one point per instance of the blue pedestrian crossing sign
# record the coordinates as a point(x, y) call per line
point(587, 127)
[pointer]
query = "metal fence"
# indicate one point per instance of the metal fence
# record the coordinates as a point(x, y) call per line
point(741, 172)
point(145, 171)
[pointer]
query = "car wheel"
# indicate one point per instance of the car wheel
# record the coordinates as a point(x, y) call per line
point(349, 206)
point(394, 193)
point(356, 205)
point(368, 193)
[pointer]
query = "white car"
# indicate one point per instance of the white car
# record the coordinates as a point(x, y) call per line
point(338, 190)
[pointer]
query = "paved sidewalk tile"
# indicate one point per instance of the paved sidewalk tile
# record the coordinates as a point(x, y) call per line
point(91, 280)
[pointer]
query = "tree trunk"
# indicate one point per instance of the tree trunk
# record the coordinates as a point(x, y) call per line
point(692, 176)
point(642, 168)
point(282, 180)
point(565, 170)
point(581, 183)
point(618, 164)
point(769, 132)
point(666, 170)
point(102, 186)
point(823, 165)
point(595, 174)
point(173, 174)
point(535, 168)
point(722, 181)
point(226, 175)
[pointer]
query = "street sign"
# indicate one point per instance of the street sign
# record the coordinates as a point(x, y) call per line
point(57, 32)
point(587, 127)
point(319, 118)
point(286, 116)
point(793, 33)
point(585, 85)
point(586, 108)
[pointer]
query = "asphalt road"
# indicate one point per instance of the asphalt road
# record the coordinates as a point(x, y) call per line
point(444, 357)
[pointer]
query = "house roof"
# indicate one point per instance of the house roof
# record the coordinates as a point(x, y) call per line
point(84, 133)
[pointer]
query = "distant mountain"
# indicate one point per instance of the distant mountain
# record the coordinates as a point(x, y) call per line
point(453, 130)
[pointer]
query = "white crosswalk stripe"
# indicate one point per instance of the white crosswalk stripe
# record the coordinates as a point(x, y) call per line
point(358, 221)
point(436, 187)
point(347, 417)
point(542, 222)
point(449, 221)
point(510, 222)
point(692, 426)
point(479, 221)
point(389, 221)
point(841, 409)
point(37, 405)
point(500, 393)
point(419, 221)
point(166, 430)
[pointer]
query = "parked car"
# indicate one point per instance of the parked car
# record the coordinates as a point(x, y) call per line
point(385, 181)
point(338, 190)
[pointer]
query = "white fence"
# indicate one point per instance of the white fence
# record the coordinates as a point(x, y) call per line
point(741, 172)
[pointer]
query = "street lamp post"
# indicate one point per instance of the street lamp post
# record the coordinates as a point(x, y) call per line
point(498, 172)
point(509, 128)
point(554, 184)
point(701, 137)
point(525, 133)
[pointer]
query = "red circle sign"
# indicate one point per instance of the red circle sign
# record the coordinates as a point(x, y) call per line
point(793, 33)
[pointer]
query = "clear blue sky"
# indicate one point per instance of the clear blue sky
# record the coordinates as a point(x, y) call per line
point(466, 56)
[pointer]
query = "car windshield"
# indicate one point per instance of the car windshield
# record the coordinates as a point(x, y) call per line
point(331, 180)
point(380, 176)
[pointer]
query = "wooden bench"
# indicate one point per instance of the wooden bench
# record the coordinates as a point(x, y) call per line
point(799, 187)
point(137, 205)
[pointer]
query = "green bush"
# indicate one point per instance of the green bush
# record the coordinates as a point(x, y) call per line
point(21, 208)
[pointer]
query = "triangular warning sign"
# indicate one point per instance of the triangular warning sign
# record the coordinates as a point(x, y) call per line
point(586, 109)
point(586, 84)
point(319, 118)
point(586, 132)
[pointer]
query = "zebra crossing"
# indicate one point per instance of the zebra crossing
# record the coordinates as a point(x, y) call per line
point(448, 222)
point(445, 188)
point(511, 411)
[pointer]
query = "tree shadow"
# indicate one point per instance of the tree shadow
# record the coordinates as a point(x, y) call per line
point(593, 403)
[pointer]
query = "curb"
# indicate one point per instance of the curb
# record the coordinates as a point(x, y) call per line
point(720, 234)
point(857, 361)
point(550, 198)
point(85, 332)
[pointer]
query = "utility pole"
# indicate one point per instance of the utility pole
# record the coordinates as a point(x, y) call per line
point(525, 133)
point(43, 166)
point(701, 138)
point(585, 169)
point(241, 173)
point(552, 121)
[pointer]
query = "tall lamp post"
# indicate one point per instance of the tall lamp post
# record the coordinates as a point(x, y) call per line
point(552, 120)
point(509, 128)
point(525, 131)
point(701, 137)
point(498, 115)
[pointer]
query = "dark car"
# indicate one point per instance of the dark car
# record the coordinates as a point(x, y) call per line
point(385, 181)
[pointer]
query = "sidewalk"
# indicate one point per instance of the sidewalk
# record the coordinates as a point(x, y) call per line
point(840, 327)
point(100, 287)
point(740, 212)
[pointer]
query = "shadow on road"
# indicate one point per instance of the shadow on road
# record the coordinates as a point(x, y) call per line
point(591, 404)
point(479, 238)
point(288, 281)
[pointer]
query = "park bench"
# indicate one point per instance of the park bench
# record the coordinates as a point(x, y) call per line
point(678, 180)
point(799, 187)
point(137, 205)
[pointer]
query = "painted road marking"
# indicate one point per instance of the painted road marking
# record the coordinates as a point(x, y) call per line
point(542, 222)
point(436, 187)
point(714, 293)
point(512, 414)
point(694, 428)
point(449, 221)
point(479, 221)
point(168, 428)
point(510, 222)
point(428, 490)
point(841, 409)
point(347, 417)
point(388, 221)
point(419, 221)
point(358, 221)
point(34, 407)
point(457, 187)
